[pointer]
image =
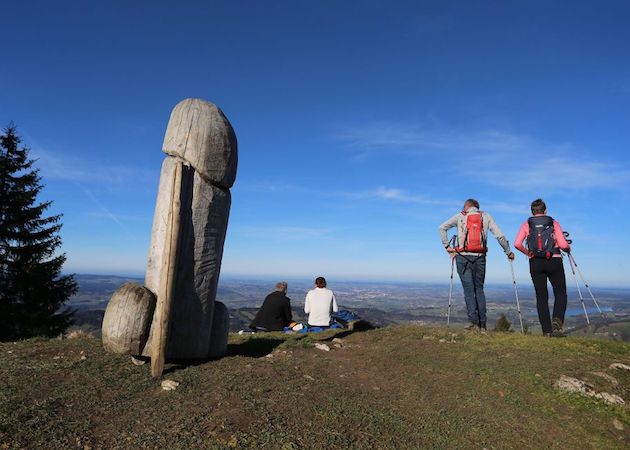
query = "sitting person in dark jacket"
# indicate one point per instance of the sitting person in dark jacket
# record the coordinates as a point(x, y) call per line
point(275, 312)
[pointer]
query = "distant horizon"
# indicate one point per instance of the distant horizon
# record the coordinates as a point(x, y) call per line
point(305, 279)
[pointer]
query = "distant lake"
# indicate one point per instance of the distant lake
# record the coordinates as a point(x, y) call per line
point(593, 310)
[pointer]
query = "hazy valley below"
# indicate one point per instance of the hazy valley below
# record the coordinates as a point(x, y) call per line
point(381, 303)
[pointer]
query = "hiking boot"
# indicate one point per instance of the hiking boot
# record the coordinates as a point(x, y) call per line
point(483, 328)
point(472, 326)
point(556, 326)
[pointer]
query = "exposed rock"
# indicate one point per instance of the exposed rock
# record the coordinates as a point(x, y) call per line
point(338, 343)
point(570, 384)
point(323, 347)
point(612, 380)
point(617, 424)
point(611, 399)
point(619, 366)
point(127, 319)
point(137, 361)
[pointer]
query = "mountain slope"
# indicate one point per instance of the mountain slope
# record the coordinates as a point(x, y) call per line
point(397, 387)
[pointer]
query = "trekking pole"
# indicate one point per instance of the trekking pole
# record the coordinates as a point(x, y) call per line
point(518, 304)
point(577, 285)
point(572, 259)
point(450, 293)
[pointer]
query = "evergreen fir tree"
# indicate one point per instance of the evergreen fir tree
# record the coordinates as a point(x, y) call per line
point(32, 289)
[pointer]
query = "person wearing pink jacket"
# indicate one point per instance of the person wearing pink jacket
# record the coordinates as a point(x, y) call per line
point(545, 239)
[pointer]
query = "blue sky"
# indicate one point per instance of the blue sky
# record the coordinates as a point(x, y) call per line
point(361, 125)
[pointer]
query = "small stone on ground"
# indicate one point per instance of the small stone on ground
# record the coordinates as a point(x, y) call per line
point(169, 385)
point(137, 362)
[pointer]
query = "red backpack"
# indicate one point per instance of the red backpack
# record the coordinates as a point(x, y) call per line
point(474, 240)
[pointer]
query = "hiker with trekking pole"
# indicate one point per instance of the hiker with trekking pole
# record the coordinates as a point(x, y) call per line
point(545, 240)
point(468, 249)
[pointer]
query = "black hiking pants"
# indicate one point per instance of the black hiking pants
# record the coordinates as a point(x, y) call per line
point(551, 269)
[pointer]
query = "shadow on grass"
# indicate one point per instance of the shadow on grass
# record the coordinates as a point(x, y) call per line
point(357, 327)
point(183, 364)
point(251, 348)
point(254, 348)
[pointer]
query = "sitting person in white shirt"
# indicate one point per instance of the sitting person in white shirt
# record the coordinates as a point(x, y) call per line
point(319, 303)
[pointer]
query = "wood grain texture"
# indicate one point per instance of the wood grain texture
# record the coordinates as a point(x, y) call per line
point(204, 218)
point(199, 133)
point(168, 277)
point(127, 319)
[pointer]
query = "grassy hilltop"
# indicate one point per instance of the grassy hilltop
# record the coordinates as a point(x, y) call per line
point(396, 387)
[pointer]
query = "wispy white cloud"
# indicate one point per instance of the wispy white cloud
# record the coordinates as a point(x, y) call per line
point(492, 157)
point(396, 195)
point(381, 136)
point(66, 167)
point(104, 210)
point(120, 217)
point(294, 233)
point(558, 173)
point(516, 208)
point(273, 187)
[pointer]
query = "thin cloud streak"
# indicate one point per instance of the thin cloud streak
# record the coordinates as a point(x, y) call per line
point(397, 195)
point(560, 174)
point(492, 157)
point(102, 207)
point(293, 233)
point(69, 168)
point(415, 139)
point(379, 193)
point(120, 217)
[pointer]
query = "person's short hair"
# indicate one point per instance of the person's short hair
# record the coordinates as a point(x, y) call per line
point(472, 202)
point(320, 282)
point(538, 206)
point(281, 286)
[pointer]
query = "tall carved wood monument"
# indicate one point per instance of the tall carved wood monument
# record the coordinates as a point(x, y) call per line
point(175, 315)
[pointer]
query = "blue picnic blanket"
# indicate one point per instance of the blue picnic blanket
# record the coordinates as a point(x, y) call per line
point(344, 317)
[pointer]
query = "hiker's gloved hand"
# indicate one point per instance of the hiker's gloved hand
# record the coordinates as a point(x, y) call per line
point(511, 256)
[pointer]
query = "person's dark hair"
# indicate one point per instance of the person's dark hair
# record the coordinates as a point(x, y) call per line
point(538, 206)
point(472, 202)
point(320, 282)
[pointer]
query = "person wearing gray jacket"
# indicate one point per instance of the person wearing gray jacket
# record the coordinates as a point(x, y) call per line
point(469, 248)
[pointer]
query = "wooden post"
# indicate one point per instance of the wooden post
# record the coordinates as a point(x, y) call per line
point(168, 278)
